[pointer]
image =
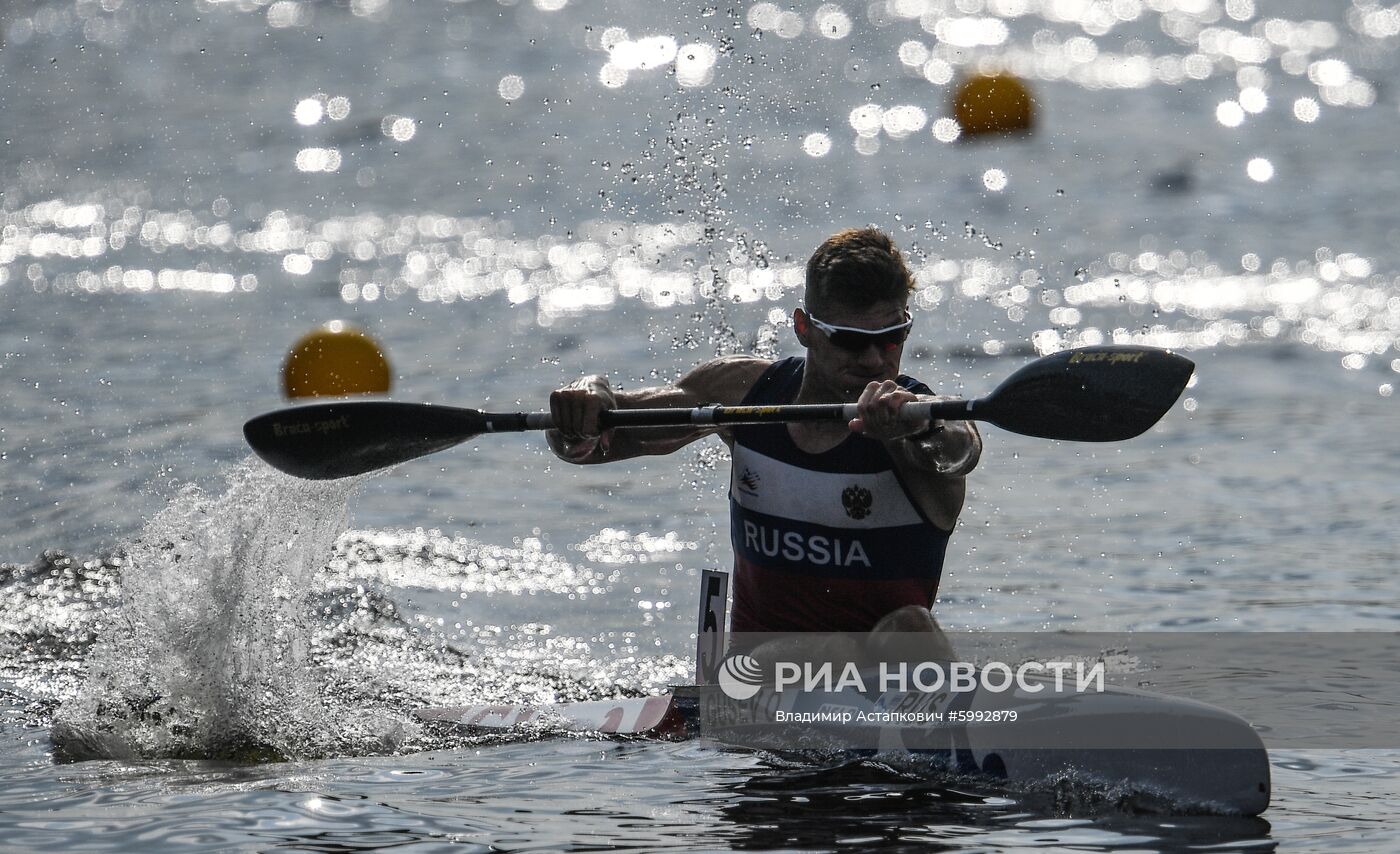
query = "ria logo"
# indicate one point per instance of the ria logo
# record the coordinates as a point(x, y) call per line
point(740, 677)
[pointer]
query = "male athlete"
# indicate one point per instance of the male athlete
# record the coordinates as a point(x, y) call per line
point(836, 527)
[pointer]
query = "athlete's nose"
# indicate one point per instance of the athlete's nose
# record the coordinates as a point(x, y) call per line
point(871, 356)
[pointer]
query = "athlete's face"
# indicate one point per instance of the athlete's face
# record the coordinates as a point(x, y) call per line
point(844, 360)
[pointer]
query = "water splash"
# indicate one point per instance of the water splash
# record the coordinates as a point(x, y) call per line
point(208, 654)
point(250, 626)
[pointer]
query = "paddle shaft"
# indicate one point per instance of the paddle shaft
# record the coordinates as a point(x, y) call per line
point(717, 415)
point(1095, 394)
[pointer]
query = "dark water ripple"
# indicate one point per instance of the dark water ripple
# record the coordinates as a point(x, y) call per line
point(530, 798)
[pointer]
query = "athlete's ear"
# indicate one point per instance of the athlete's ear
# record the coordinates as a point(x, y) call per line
point(799, 326)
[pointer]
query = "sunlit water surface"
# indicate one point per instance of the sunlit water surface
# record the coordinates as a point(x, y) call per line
point(199, 654)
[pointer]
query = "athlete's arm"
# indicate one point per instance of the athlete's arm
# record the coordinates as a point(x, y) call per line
point(931, 458)
point(945, 448)
point(578, 439)
point(937, 447)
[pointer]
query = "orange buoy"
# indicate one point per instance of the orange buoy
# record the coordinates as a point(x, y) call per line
point(993, 103)
point(333, 360)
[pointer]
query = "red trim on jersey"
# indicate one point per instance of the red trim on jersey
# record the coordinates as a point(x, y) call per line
point(771, 600)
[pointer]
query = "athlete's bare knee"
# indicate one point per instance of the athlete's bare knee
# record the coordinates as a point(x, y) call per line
point(813, 647)
point(910, 618)
point(909, 633)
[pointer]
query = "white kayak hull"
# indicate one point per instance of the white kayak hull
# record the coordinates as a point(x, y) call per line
point(1195, 756)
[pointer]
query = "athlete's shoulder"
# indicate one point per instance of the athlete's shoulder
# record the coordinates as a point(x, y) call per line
point(912, 384)
point(726, 379)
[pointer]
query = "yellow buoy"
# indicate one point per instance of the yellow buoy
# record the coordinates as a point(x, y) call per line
point(332, 360)
point(993, 103)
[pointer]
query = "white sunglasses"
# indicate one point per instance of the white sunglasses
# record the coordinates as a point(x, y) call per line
point(856, 340)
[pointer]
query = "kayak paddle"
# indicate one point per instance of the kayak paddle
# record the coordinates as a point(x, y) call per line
point(1090, 394)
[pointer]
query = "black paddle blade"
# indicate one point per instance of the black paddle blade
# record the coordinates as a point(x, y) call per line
point(325, 441)
point(1089, 394)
